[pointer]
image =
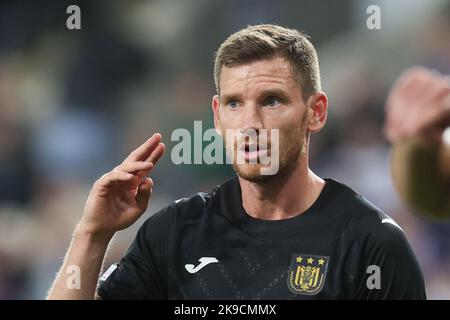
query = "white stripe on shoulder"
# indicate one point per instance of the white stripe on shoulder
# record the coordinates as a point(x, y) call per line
point(391, 221)
point(108, 272)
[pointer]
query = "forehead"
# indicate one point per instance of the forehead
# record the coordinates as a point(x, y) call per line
point(276, 71)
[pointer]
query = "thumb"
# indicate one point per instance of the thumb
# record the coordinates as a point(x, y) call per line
point(143, 193)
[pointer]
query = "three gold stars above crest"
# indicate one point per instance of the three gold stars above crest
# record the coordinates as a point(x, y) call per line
point(310, 260)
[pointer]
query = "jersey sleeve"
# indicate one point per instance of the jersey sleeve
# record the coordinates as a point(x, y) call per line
point(142, 272)
point(388, 268)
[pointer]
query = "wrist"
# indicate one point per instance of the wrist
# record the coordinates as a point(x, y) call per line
point(91, 236)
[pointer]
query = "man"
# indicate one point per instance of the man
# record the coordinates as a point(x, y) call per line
point(417, 115)
point(288, 235)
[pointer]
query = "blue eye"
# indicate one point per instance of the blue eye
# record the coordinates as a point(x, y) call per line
point(272, 102)
point(233, 104)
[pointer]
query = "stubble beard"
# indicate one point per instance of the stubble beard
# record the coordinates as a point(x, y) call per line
point(292, 149)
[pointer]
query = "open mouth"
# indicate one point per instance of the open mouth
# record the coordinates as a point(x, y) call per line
point(253, 152)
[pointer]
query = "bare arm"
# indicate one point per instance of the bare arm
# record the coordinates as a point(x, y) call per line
point(420, 177)
point(86, 255)
point(418, 111)
point(115, 202)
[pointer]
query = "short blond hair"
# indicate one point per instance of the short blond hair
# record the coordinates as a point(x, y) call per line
point(266, 41)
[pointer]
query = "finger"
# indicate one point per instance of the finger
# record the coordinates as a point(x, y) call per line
point(411, 87)
point(116, 176)
point(410, 104)
point(411, 76)
point(408, 97)
point(134, 166)
point(157, 153)
point(441, 91)
point(434, 111)
point(446, 103)
point(424, 83)
point(438, 118)
point(144, 151)
point(143, 193)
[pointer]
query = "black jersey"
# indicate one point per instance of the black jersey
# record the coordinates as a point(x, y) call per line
point(208, 247)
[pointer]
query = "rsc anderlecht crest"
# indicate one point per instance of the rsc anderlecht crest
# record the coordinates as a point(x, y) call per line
point(307, 273)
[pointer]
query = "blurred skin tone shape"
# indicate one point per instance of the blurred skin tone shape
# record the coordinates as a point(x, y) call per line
point(417, 124)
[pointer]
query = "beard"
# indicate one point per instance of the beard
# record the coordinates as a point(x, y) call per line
point(292, 147)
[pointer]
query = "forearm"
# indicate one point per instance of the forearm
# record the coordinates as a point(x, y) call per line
point(421, 176)
point(78, 276)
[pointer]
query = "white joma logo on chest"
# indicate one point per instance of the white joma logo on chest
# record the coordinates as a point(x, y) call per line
point(204, 261)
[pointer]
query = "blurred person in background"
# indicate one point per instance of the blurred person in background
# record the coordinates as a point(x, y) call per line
point(418, 126)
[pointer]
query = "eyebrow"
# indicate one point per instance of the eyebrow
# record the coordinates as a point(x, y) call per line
point(265, 93)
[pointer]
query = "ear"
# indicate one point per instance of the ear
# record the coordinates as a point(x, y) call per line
point(215, 104)
point(317, 111)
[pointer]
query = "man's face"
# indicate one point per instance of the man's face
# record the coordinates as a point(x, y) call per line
point(262, 95)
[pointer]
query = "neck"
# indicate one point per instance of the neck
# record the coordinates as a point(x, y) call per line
point(284, 196)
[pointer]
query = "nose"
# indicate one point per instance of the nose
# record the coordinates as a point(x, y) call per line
point(251, 118)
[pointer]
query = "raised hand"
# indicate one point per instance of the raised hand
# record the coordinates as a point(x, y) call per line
point(418, 104)
point(119, 197)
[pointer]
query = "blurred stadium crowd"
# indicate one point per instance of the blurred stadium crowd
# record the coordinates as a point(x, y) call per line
point(73, 104)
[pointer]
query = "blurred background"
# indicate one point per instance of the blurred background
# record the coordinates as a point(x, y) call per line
point(74, 103)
